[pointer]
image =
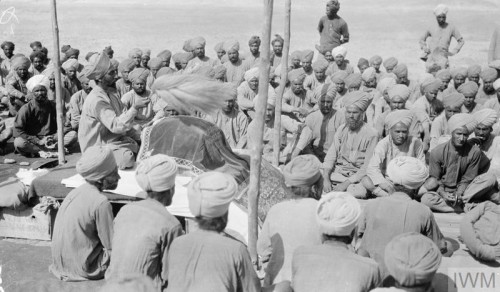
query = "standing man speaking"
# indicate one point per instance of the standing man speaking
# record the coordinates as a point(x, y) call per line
point(332, 28)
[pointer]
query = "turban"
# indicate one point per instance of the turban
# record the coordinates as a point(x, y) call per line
point(219, 72)
point(114, 64)
point(135, 52)
point(430, 84)
point(303, 170)
point(96, 163)
point(468, 88)
point(453, 100)
point(146, 52)
point(407, 171)
point(109, 50)
point(138, 74)
point(70, 64)
point(496, 84)
point(326, 90)
point(72, 52)
point(278, 38)
point(20, 62)
point(49, 70)
point(363, 62)
point(412, 259)
point(185, 57)
point(403, 116)
point(375, 59)
point(460, 120)
point(460, 71)
point(295, 55)
point(38, 54)
point(399, 90)
point(443, 74)
point(98, 66)
point(369, 74)
point(337, 213)
point(340, 50)
point(187, 46)
point(322, 49)
point(297, 74)
point(360, 99)
point(385, 84)
point(126, 65)
point(489, 74)
point(82, 78)
point(165, 55)
point(307, 56)
point(401, 70)
point(89, 54)
point(251, 74)
point(254, 40)
point(480, 231)
point(232, 45)
point(197, 42)
point(65, 48)
point(37, 80)
point(320, 65)
point(219, 47)
point(390, 63)
point(474, 70)
point(155, 63)
point(441, 9)
point(339, 76)
point(210, 194)
point(7, 43)
point(156, 173)
point(353, 81)
point(165, 71)
point(35, 44)
point(488, 117)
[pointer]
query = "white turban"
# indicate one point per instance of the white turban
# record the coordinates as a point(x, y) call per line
point(441, 9)
point(251, 74)
point(338, 213)
point(385, 84)
point(156, 173)
point(70, 64)
point(231, 45)
point(369, 74)
point(37, 80)
point(340, 50)
point(487, 117)
point(407, 171)
point(462, 120)
point(98, 66)
point(96, 163)
point(496, 84)
point(210, 194)
point(303, 170)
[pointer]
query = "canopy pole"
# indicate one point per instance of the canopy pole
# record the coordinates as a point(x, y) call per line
point(256, 148)
point(59, 104)
point(281, 88)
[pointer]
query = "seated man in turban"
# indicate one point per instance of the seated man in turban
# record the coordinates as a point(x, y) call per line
point(144, 230)
point(220, 51)
point(70, 80)
point(292, 223)
point(296, 102)
point(412, 260)
point(386, 217)
point(369, 85)
point(382, 104)
point(469, 90)
point(329, 266)
point(253, 59)
point(474, 74)
point(319, 77)
point(105, 121)
point(440, 131)
point(232, 122)
point(456, 177)
point(306, 58)
point(235, 67)
point(428, 103)
point(247, 91)
point(198, 48)
point(399, 142)
point(441, 34)
point(333, 30)
point(35, 126)
point(401, 72)
point(459, 76)
point(294, 60)
point(165, 55)
point(375, 62)
point(494, 102)
point(480, 231)
point(340, 63)
point(320, 126)
point(38, 60)
point(277, 53)
point(363, 64)
point(145, 57)
point(206, 260)
point(81, 242)
point(77, 100)
point(389, 65)
point(6, 65)
point(353, 144)
point(51, 91)
point(16, 84)
point(154, 65)
point(486, 91)
point(338, 79)
point(123, 85)
point(353, 82)
point(445, 76)
point(136, 55)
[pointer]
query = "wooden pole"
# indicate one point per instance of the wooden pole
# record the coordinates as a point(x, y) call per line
point(59, 104)
point(256, 151)
point(281, 88)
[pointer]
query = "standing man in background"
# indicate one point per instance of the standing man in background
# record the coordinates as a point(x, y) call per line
point(332, 28)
